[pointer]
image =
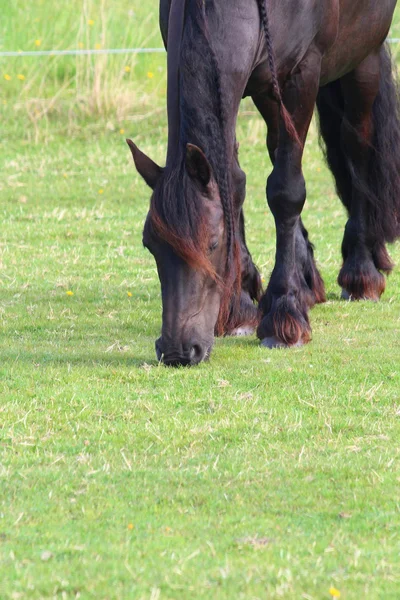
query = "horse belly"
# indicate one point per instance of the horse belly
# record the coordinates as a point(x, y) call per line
point(363, 27)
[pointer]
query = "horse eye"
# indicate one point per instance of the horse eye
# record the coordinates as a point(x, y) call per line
point(213, 246)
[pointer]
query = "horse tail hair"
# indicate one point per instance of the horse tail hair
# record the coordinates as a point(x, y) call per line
point(286, 118)
point(384, 171)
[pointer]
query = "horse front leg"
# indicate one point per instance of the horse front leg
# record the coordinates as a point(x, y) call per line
point(284, 306)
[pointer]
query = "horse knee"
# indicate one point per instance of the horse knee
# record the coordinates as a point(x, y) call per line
point(286, 194)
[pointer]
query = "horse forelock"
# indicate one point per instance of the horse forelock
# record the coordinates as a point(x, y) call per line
point(180, 221)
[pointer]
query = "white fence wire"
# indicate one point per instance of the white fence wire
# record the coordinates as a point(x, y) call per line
point(82, 52)
point(88, 52)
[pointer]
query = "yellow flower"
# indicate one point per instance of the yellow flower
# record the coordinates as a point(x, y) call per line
point(334, 592)
point(80, 45)
point(122, 131)
point(130, 526)
point(129, 294)
point(150, 75)
point(65, 175)
point(97, 46)
point(38, 43)
point(127, 69)
point(7, 77)
point(69, 293)
point(101, 191)
point(90, 22)
point(21, 77)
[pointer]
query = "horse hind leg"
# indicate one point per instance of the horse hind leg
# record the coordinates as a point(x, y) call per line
point(311, 280)
point(355, 130)
point(245, 316)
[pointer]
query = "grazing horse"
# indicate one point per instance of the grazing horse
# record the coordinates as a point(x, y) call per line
point(289, 57)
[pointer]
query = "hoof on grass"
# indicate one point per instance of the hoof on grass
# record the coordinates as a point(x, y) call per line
point(274, 342)
point(243, 330)
point(350, 298)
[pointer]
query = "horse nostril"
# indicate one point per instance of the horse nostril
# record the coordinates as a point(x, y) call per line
point(196, 353)
point(180, 355)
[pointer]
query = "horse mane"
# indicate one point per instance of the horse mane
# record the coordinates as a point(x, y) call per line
point(285, 116)
point(174, 212)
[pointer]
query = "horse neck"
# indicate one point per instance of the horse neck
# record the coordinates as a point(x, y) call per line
point(193, 101)
point(200, 124)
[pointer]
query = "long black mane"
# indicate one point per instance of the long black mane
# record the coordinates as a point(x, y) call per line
point(174, 210)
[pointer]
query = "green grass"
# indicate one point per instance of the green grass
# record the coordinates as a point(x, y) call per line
point(258, 475)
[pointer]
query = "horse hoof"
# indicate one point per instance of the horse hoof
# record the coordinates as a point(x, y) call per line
point(350, 298)
point(243, 330)
point(274, 342)
point(345, 295)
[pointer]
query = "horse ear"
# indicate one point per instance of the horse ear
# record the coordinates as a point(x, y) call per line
point(147, 168)
point(197, 165)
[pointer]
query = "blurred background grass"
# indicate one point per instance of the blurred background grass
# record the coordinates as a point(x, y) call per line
point(46, 96)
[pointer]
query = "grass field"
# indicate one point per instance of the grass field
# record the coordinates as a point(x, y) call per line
point(260, 475)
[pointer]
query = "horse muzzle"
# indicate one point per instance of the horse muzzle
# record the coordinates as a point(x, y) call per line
point(182, 355)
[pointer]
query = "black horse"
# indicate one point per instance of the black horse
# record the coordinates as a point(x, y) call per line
point(288, 56)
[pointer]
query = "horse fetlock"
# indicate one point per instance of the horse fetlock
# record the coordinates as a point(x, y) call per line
point(381, 258)
point(244, 317)
point(361, 281)
point(286, 323)
point(315, 284)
